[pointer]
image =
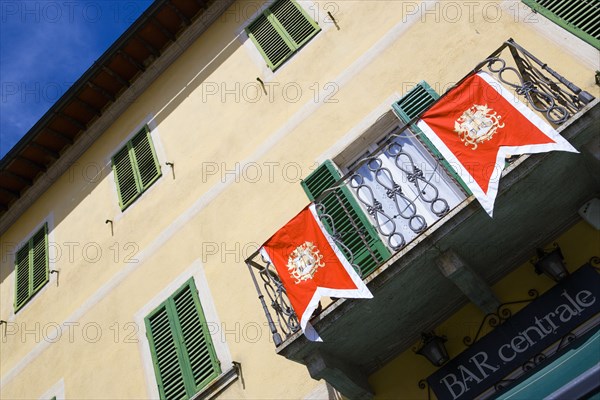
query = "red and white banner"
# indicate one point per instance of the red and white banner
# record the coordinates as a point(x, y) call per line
point(311, 266)
point(478, 124)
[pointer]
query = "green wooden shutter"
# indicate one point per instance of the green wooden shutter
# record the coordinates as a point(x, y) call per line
point(31, 267)
point(580, 17)
point(324, 177)
point(293, 19)
point(136, 167)
point(269, 41)
point(182, 350)
point(415, 101)
point(125, 177)
point(281, 30)
point(39, 257)
point(412, 104)
point(145, 159)
point(166, 354)
point(196, 343)
point(22, 276)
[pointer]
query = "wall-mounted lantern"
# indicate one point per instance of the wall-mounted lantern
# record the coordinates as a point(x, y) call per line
point(551, 263)
point(432, 347)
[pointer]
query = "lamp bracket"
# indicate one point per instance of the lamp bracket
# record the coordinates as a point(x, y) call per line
point(503, 313)
point(424, 385)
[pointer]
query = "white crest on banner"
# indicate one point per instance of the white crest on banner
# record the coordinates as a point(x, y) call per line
point(478, 124)
point(304, 261)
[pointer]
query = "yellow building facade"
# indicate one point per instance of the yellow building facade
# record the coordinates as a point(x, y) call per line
point(212, 136)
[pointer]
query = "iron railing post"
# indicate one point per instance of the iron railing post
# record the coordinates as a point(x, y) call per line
point(582, 95)
point(276, 336)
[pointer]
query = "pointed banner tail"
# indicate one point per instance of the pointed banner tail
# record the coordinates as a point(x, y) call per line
point(310, 266)
point(478, 124)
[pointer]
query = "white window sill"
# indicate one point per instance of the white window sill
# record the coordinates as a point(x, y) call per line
point(220, 383)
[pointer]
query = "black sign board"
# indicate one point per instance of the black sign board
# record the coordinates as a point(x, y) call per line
point(528, 332)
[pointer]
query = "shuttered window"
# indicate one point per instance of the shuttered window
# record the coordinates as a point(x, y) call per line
point(182, 350)
point(31, 267)
point(411, 105)
point(136, 167)
point(281, 30)
point(580, 17)
point(344, 214)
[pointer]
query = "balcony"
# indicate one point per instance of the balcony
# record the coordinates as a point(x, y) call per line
point(421, 242)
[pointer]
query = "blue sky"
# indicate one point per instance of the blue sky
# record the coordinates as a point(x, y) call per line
point(45, 46)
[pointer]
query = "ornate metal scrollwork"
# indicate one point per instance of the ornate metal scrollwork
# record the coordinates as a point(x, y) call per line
point(372, 176)
point(286, 320)
point(533, 362)
point(536, 361)
point(565, 341)
point(545, 90)
point(286, 317)
point(595, 263)
point(503, 312)
point(426, 190)
point(337, 236)
point(540, 93)
point(423, 385)
point(385, 224)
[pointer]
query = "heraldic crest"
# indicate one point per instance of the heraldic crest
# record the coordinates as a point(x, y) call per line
point(304, 261)
point(476, 125)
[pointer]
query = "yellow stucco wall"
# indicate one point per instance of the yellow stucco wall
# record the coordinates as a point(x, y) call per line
point(578, 244)
point(176, 221)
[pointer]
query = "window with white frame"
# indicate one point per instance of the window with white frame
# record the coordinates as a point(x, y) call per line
point(182, 350)
point(281, 30)
point(136, 167)
point(31, 267)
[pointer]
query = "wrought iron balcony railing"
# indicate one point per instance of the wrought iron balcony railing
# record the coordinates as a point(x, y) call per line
point(404, 189)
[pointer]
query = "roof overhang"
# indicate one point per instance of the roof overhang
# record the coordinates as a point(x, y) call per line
point(164, 31)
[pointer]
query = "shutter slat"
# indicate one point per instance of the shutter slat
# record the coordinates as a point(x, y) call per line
point(125, 176)
point(269, 40)
point(580, 17)
point(146, 161)
point(281, 30)
point(293, 21)
point(415, 102)
point(166, 358)
point(136, 167)
point(40, 267)
point(22, 276)
point(195, 337)
point(31, 267)
point(181, 345)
